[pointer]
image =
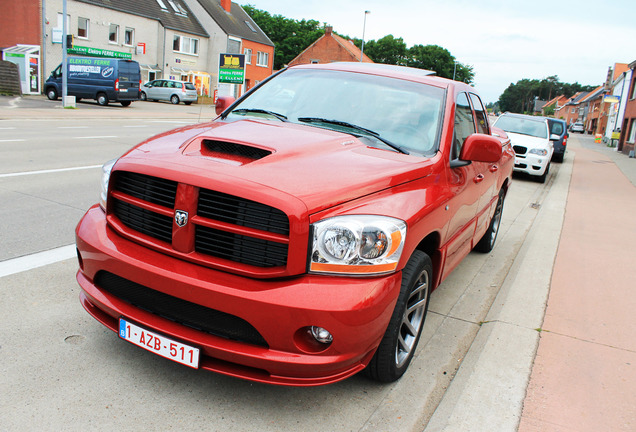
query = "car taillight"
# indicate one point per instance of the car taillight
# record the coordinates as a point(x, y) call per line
point(565, 140)
point(117, 84)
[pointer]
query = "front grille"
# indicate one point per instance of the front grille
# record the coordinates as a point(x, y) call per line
point(240, 248)
point(242, 212)
point(152, 189)
point(520, 150)
point(138, 195)
point(181, 311)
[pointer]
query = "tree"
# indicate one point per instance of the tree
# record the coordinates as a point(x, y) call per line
point(388, 50)
point(290, 37)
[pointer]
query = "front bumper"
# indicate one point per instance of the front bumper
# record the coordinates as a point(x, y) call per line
point(355, 310)
point(531, 164)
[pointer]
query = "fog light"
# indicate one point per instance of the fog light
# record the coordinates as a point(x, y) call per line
point(321, 335)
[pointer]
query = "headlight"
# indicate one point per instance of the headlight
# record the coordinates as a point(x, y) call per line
point(106, 168)
point(540, 152)
point(357, 244)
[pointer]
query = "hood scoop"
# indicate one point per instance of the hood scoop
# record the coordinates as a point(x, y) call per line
point(224, 151)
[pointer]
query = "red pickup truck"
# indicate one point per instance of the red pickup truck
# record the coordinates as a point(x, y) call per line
point(296, 239)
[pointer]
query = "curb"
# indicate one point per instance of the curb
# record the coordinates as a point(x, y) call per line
point(488, 391)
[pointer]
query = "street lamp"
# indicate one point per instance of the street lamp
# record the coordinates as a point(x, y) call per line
point(364, 27)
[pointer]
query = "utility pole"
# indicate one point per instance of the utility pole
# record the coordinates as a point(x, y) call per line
point(364, 27)
point(64, 59)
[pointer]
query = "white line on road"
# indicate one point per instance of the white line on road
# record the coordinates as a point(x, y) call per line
point(137, 126)
point(12, 140)
point(96, 137)
point(33, 261)
point(171, 121)
point(72, 127)
point(6, 128)
point(25, 173)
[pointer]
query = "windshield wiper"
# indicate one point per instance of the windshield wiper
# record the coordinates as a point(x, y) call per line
point(280, 117)
point(354, 127)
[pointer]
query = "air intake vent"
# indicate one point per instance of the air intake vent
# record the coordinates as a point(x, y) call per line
point(237, 150)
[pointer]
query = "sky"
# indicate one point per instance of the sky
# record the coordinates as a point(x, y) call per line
point(504, 41)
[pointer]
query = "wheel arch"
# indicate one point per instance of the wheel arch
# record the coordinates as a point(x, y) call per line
point(430, 245)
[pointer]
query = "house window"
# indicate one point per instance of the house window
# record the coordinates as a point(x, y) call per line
point(82, 28)
point(186, 45)
point(248, 55)
point(129, 37)
point(250, 26)
point(315, 61)
point(162, 4)
point(113, 33)
point(631, 138)
point(633, 93)
point(262, 59)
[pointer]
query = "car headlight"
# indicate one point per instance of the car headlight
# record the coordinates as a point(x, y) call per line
point(357, 244)
point(106, 169)
point(540, 152)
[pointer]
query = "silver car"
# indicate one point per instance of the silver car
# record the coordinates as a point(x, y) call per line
point(169, 90)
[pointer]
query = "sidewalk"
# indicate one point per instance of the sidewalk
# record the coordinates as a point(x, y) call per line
point(584, 373)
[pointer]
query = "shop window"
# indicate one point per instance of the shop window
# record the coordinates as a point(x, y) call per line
point(631, 138)
point(82, 27)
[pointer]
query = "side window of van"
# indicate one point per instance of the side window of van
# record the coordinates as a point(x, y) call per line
point(57, 72)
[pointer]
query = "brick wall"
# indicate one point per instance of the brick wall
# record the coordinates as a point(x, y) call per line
point(20, 23)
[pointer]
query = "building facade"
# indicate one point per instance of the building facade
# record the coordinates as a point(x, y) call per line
point(330, 48)
point(628, 131)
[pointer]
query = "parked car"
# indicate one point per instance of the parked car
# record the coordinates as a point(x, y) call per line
point(103, 79)
point(531, 141)
point(169, 90)
point(296, 239)
point(558, 127)
point(577, 127)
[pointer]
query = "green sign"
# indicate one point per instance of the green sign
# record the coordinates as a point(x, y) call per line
point(232, 68)
point(96, 52)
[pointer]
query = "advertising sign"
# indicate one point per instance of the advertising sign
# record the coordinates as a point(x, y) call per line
point(96, 52)
point(611, 98)
point(232, 68)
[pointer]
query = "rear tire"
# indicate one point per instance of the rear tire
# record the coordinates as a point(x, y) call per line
point(125, 103)
point(174, 99)
point(397, 348)
point(487, 242)
point(102, 99)
point(188, 103)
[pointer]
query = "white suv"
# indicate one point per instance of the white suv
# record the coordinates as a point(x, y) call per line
point(531, 140)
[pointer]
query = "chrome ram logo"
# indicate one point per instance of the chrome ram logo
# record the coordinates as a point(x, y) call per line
point(181, 218)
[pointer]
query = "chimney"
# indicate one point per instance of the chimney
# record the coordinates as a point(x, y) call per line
point(227, 5)
point(328, 30)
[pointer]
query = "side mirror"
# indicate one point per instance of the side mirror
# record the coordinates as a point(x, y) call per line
point(481, 148)
point(222, 103)
point(554, 137)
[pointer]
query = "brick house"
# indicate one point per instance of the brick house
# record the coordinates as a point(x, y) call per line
point(556, 102)
point(570, 110)
point(330, 48)
point(628, 130)
point(234, 33)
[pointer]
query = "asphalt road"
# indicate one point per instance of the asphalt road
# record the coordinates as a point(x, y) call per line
point(62, 370)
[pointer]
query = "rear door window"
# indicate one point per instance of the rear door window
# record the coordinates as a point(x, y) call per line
point(556, 128)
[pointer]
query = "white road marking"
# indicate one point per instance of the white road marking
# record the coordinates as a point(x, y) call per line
point(26, 173)
point(138, 126)
point(12, 140)
point(96, 137)
point(33, 261)
point(6, 128)
point(72, 127)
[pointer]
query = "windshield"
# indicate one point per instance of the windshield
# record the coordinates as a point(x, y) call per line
point(524, 126)
point(386, 112)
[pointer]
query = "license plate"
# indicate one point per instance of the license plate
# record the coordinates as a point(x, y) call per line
point(158, 344)
point(123, 89)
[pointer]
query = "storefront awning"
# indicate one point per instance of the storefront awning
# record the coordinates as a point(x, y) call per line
point(179, 70)
point(150, 68)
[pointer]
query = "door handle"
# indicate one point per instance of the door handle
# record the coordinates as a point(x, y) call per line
point(494, 168)
point(479, 178)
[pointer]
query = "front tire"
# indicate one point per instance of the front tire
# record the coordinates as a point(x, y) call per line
point(51, 93)
point(125, 103)
point(397, 348)
point(143, 96)
point(544, 177)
